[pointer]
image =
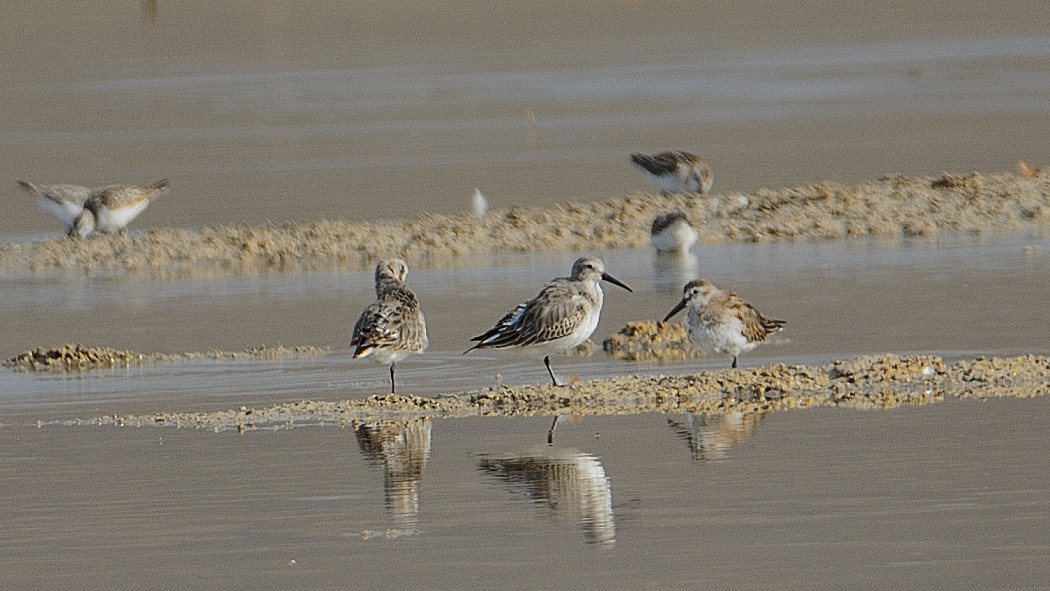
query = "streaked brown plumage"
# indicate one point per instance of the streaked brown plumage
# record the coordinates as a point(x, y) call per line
point(393, 326)
point(722, 321)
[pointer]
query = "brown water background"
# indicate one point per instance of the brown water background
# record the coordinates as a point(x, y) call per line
point(274, 111)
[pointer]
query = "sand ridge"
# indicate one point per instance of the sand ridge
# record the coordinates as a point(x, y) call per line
point(890, 207)
point(76, 357)
point(868, 382)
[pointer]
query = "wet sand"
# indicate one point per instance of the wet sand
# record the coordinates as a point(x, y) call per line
point(892, 207)
point(875, 382)
point(77, 357)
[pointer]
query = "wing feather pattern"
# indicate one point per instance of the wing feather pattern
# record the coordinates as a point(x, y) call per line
point(554, 313)
point(393, 322)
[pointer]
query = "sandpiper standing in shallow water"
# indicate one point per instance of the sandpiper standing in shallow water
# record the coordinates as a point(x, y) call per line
point(65, 202)
point(110, 209)
point(562, 316)
point(676, 171)
point(392, 327)
point(722, 321)
point(671, 233)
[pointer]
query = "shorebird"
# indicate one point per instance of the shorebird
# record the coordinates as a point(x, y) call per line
point(65, 202)
point(722, 321)
point(676, 171)
point(671, 232)
point(560, 317)
point(110, 209)
point(392, 327)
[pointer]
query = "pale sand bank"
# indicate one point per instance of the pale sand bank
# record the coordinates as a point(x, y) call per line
point(874, 382)
point(76, 357)
point(890, 207)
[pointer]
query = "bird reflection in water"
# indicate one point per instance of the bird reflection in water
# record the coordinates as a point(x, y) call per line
point(571, 483)
point(710, 436)
point(672, 270)
point(401, 448)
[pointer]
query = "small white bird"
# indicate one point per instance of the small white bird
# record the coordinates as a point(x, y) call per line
point(676, 171)
point(110, 209)
point(722, 321)
point(393, 327)
point(671, 232)
point(479, 205)
point(563, 315)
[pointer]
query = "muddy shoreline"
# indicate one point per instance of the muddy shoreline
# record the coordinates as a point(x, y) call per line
point(869, 382)
point(890, 207)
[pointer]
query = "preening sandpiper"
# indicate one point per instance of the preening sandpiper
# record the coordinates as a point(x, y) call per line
point(393, 327)
point(721, 321)
point(110, 209)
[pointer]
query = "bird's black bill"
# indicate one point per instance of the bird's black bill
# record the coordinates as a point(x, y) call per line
point(615, 281)
point(674, 311)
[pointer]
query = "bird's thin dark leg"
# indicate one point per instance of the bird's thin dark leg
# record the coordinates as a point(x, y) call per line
point(734, 361)
point(550, 433)
point(547, 362)
point(392, 378)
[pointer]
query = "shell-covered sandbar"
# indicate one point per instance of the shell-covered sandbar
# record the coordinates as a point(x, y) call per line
point(869, 382)
point(891, 207)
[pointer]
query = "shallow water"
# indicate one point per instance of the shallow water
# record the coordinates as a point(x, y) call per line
point(949, 496)
point(275, 110)
point(839, 300)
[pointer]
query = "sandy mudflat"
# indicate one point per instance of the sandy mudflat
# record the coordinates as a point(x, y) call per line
point(76, 357)
point(890, 207)
point(641, 340)
point(882, 381)
point(321, 136)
